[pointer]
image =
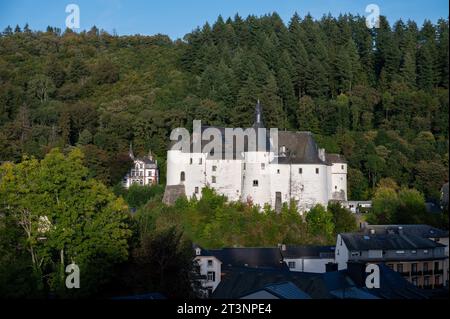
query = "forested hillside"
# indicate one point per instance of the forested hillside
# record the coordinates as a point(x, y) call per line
point(379, 96)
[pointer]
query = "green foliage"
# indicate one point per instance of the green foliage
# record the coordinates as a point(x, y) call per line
point(380, 98)
point(64, 217)
point(320, 222)
point(137, 196)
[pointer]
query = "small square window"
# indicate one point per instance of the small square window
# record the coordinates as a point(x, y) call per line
point(255, 183)
point(300, 171)
point(278, 171)
point(196, 189)
point(211, 276)
point(291, 264)
point(342, 167)
point(210, 262)
point(214, 168)
point(213, 179)
point(317, 171)
point(263, 166)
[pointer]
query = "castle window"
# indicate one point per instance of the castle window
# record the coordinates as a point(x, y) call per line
point(300, 170)
point(255, 183)
point(182, 177)
point(214, 168)
point(317, 171)
point(213, 179)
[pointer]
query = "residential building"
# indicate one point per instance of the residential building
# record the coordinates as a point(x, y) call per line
point(424, 231)
point(144, 171)
point(419, 260)
point(313, 259)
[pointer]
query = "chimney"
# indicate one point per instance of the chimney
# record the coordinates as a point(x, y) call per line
point(321, 154)
point(372, 231)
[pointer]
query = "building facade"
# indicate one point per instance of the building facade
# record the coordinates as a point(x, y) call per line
point(299, 171)
point(419, 260)
point(144, 171)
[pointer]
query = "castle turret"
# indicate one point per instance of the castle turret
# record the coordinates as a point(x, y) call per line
point(256, 170)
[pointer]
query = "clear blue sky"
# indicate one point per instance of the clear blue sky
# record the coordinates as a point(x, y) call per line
point(178, 17)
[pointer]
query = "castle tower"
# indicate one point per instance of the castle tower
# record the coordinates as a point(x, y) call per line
point(256, 170)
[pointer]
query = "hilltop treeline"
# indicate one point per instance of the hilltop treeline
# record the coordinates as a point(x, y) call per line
point(378, 96)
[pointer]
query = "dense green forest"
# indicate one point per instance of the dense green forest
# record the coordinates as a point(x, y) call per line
point(378, 96)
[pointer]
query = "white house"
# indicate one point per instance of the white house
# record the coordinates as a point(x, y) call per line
point(144, 172)
point(358, 206)
point(312, 259)
point(210, 269)
point(298, 171)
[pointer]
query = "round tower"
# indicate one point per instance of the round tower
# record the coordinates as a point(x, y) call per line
point(256, 171)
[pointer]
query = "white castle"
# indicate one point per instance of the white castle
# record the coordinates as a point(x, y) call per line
point(299, 172)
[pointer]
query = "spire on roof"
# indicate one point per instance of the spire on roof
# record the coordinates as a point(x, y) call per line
point(130, 152)
point(258, 115)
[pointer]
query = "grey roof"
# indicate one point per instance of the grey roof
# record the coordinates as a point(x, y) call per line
point(308, 252)
point(301, 148)
point(394, 286)
point(284, 290)
point(241, 281)
point(421, 230)
point(238, 282)
point(248, 257)
point(358, 242)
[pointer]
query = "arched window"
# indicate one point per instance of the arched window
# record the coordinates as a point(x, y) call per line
point(182, 177)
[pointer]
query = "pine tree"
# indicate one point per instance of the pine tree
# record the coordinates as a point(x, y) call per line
point(272, 104)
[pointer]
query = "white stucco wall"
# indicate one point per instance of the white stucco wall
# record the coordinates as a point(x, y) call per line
point(313, 265)
point(204, 269)
point(341, 253)
point(234, 178)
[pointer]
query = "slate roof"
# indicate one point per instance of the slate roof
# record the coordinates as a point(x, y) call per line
point(394, 286)
point(358, 241)
point(241, 281)
point(308, 252)
point(248, 257)
point(301, 148)
point(284, 290)
point(424, 231)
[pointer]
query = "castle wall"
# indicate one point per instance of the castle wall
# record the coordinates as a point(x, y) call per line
point(235, 179)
